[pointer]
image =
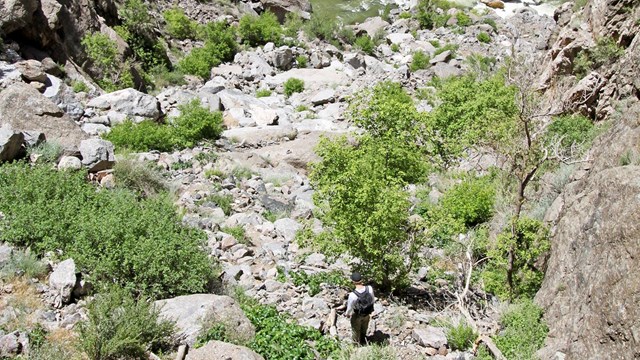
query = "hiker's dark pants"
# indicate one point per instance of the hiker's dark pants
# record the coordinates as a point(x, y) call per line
point(359, 326)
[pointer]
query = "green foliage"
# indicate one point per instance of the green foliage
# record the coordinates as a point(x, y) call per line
point(481, 66)
point(436, 43)
point(483, 37)
point(395, 47)
point(259, 30)
point(605, 52)
point(103, 53)
point(238, 233)
point(139, 176)
point(79, 86)
point(360, 188)
point(321, 26)
point(365, 44)
point(46, 152)
point(301, 108)
point(211, 173)
point(471, 112)
point(531, 241)
point(313, 281)
point(23, 263)
point(448, 47)
point(572, 132)
point(461, 337)
point(419, 61)
point(405, 15)
point(219, 45)
point(523, 331)
point(278, 338)
point(292, 24)
point(179, 25)
point(347, 35)
point(371, 352)
point(222, 201)
point(302, 61)
point(432, 14)
point(114, 236)
point(272, 216)
point(242, 172)
point(206, 157)
point(120, 327)
point(463, 19)
point(195, 123)
point(263, 93)
point(218, 332)
point(163, 77)
point(293, 85)
point(490, 22)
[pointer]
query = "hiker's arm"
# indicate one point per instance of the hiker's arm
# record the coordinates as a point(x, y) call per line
point(372, 293)
point(352, 298)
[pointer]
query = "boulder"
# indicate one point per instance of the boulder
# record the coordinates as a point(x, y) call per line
point(130, 102)
point(430, 336)
point(32, 70)
point(218, 350)
point(69, 163)
point(399, 38)
point(25, 109)
point(371, 26)
point(287, 228)
point(10, 144)
point(445, 70)
point(283, 58)
point(442, 57)
point(190, 311)
point(97, 154)
point(17, 14)
point(5, 253)
point(63, 280)
point(10, 345)
point(282, 7)
point(257, 110)
point(584, 94)
point(324, 96)
point(313, 78)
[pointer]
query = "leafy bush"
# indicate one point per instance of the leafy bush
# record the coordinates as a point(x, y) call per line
point(238, 233)
point(293, 85)
point(179, 25)
point(462, 19)
point(605, 52)
point(23, 263)
point(163, 77)
point(103, 53)
point(139, 176)
point(523, 331)
point(531, 241)
point(114, 236)
point(292, 24)
point(365, 43)
point(313, 281)
point(490, 22)
point(79, 86)
point(320, 26)
point(277, 338)
point(470, 201)
point(436, 43)
point(259, 30)
point(570, 131)
point(432, 14)
point(302, 60)
point(46, 152)
point(481, 65)
point(222, 201)
point(241, 172)
point(194, 123)
point(483, 37)
point(395, 47)
point(419, 61)
point(121, 327)
point(263, 93)
point(461, 337)
point(220, 45)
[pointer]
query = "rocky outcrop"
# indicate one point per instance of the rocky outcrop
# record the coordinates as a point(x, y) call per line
point(282, 7)
point(24, 109)
point(218, 350)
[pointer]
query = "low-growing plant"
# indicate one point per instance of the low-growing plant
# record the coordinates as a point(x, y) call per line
point(450, 47)
point(405, 15)
point(222, 201)
point(490, 22)
point(419, 61)
point(181, 165)
point(23, 263)
point(347, 35)
point(46, 152)
point(206, 157)
point(259, 30)
point(301, 108)
point(606, 52)
point(139, 176)
point(238, 233)
point(395, 47)
point(79, 86)
point(163, 77)
point(292, 86)
point(462, 19)
point(219, 45)
point(302, 61)
point(121, 327)
point(313, 281)
point(241, 172)
point(365, 44)
point(214, 172)
point(292, 24)
point(263, 93)
point(179, 25)
point(320, 26)
point(435, 43)
point(461, 336)
point(483, 37)
point(572, 133)
point(103, 53)
point(272, 216)
point(432, 14)
point(370, 352)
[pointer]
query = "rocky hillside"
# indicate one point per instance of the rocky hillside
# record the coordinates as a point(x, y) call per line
point(247, 188)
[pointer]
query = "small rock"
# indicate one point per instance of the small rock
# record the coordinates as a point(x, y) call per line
point(69, 163)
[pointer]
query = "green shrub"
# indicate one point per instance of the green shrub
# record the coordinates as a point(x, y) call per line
point(461, 337)
point(481, 65)
point(263, 93)
point(259, 30)
point(531, 241)
point(293, 85)
point(292, 24)
point(395, 47)
point(278, 338)
point(23, 263)
point(301, 60)
point(219, 45)
point(470, 201)
point(372, 351)
point(346, 35)
point(242, 172)
point(179, 25)
point(211, 173)
point(162, 77)
point(405, 15)
point(79, 86)
point(435, 43)
point(321, 26)
point(103, 53)
point(195, 123)
point(222, 201)
point(238, 233)
point(463, 19)
point(605, 52)
point(206, 157)
point(139, 176)
point(419, 61)
point(313, 281)
point(115, 236)
point(483, 37)
point(571, 131)
point(428, 15)
point(47, 152)
point(523, 331)
point(490, 22)
point(365, 43)
point(120, 327)
point(450, 47)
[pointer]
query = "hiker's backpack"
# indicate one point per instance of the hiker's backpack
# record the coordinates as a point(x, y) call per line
point(364, 303)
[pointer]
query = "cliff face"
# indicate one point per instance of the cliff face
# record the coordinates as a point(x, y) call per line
point(591, 292)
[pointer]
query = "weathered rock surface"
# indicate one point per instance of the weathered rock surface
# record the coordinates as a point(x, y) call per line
point(189, 312)
point(218, 350)
point(63, 280)
point(128, 102)
point(25, 109)
point(97, 154)
point(10, 143)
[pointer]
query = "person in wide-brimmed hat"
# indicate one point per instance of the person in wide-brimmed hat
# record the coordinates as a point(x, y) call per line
point(359, 308)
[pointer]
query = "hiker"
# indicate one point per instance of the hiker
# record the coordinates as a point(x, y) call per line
point(359, 308)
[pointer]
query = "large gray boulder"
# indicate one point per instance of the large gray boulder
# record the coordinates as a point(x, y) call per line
point(190, 311)
point(430, 337)
point(97, 154)
point(282, 7)
point(131, 103)
point(24, 109)
point(15, 14)
point(10, 144)
point(63, 280)
point(258, 111)
point(218, 350)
